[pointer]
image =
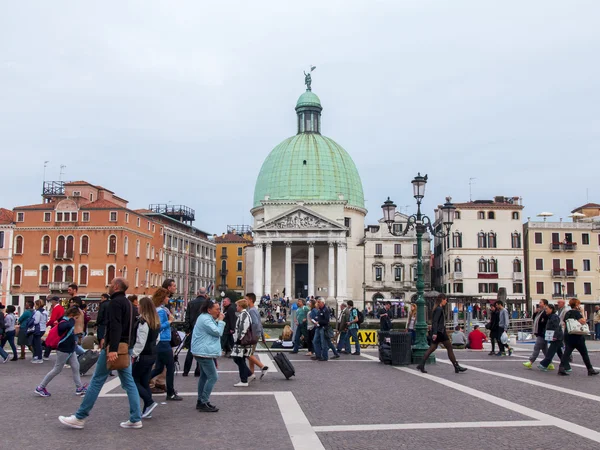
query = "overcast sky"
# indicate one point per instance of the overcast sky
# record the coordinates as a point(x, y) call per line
point(182, 101)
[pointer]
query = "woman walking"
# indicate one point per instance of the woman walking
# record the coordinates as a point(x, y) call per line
point(40, 317)
point(411, 321)
point(575, 341)
point(164, 352)
point(206, 348)
point(65, 354)
point(310, 327)
point(553, 335)
point(241, 352)
point(494, 326)
point(144, 353)
point(9, 330)
point(439, 336)
point(23, 340)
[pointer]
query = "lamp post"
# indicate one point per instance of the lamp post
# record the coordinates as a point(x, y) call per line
point(421, 224)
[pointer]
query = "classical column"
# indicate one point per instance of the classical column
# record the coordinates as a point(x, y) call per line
point(341, 271)
point(288, 270)
point(268, 268)
point(258, 270)
point(331, 272)
point(311, 268)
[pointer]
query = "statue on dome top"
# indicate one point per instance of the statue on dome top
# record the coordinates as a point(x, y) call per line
point(308, 78)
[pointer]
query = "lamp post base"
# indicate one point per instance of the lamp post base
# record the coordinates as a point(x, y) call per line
point(417, 356)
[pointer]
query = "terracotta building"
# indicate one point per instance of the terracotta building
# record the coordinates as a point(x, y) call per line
point(231, 263)
point(85, 234)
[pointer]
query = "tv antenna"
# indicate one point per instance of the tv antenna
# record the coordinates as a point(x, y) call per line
point(62, 172)
point(471, 183)
point(45, 165)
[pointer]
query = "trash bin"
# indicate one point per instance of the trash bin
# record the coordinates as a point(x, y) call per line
point(385, 347)
point(401, 348)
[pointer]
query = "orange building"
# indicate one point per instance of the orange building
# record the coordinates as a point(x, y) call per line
point(83, 234)
point(231, 263)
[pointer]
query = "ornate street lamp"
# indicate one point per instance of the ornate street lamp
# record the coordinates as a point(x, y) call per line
point(421, 224)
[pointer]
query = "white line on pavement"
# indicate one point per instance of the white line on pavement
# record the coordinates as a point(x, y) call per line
point(195, 394)
point(553, 361)
point(301, 433)
point(267, 361)
point(429, 426)
point(112, 384)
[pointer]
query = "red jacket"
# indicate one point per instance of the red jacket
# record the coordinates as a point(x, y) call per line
point(476, 338)
point(57, 313)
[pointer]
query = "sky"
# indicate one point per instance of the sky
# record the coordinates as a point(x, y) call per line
point(182, 101)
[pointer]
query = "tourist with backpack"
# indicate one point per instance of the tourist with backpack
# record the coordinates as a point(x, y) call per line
point(353, 326)
point(36, 327)
point(24, 340)
point(10, 321)
point(62, 338)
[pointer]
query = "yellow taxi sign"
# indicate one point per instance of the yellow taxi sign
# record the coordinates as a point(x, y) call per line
point(366, 338)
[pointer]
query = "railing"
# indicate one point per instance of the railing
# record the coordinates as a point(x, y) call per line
point(458, 275)
point(569, 246)
point(558, 272)
point(62, 255)
point(517, 276)
point(557, 295)
point(58, 285)
point(571, 273)
point(555, 246)
point(223, 272)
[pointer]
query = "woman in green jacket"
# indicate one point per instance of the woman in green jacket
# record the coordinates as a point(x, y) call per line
point(23, 340)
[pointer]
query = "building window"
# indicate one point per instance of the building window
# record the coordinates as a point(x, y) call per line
point(458, 288)
point(517, 287)
point(17, 275)
point(147, 250)
point(58, 274)
point(517, 266)
point(160, 255)
point(47, 217)
point(85, 245)
point(585, 239)
point(493, 265)
point(483, 288)
point(126, 245)
point(60, 246)
point(83, 275)
point(379, 249)
point(125, 272)
point(238, 281)
point(110, 274)
point(139, 222)
point(69, 277)
point(515, 216)
point(539, 264)
point(91, 197)
point(378, 273)
point(137, 248)
point(458, 265)
point(587, 288)
point(492, 240)
point(398, 273)
point(137, 277)
point(415, 249)
point(397, 228)
point(538, 238)
point(70, 247)
point(1, 239)
point(397, 249)
point(515, 239)
point(491, 215)
point(483, 265)
point(148, 225)
point(457, 239)
point(113, 216)
point(85, 216)
point(126, 217)
point(481, 240)
point(481, 215)
point(457, 216)
point(112, 244)
point(152, 253)
point(586, 265)
point(493, 288)
point(539, 287)
point(239, 266)
point(19, 245)
point(571, 289)
point(223, 251)
point(44, 275)
point(20, 218)
point(46, 245)
point(161, 231)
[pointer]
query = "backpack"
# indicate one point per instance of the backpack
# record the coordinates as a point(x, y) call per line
point(360, 316)
point(53, 340)
point(32, 327)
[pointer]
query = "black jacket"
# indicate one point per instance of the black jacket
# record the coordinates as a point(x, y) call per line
point(495, 321)
point(541, 329)
point(230, 318)
point(323, 317)
point(385, 322)
point(553, 324)
point(438, 322)
point(193, 311)
point(101, 318)
point(120, 316)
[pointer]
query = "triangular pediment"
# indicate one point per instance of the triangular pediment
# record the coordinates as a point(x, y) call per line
point(300, 218)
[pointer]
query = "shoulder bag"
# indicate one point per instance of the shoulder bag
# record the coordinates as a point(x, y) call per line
point(575, 327)
point(123, 359)
point(249, 338)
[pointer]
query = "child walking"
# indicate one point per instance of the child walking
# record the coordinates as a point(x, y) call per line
point(65, 354)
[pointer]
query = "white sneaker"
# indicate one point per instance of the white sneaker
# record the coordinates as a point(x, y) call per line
point(148, 411)
point(240, 384)
point(46, 358)
point(72, 422)
point(130, 424)
point(251, 378)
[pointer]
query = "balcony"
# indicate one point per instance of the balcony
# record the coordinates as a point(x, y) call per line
point(555, 247)
point(558, 273)
point(59, 285)
point(487, 275)
point(571, 273)
point(458, 275)
point(397, 255)
point(63, 255)
point(557, 295)
point(224, 256)
point(378, 255)
point(223, 273)
point(517, 276)
point(569, 246)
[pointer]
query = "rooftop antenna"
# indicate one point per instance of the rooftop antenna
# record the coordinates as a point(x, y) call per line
point(62, 171)
point(471, 183)
point(45, 165)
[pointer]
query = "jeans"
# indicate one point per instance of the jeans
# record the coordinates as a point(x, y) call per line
point(550, 352)
point(343, 342)
point(141, 371)
point(597, 329)
point(317, 343)
point(413, 336)
point(243, 368)
point(330, 344)
point(37, 346)
point(540, 344)
point(354, 333)
point(164, 358)
point(96, 383)
point(311, 338)
point(575, 342)
point(208, 378)
point(63, 358)
point(322, 343)
point(79, 350)
point(301, 330)
point(10, 337)
point(3, 354)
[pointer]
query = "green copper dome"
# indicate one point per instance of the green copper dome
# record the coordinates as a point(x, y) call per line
point(309, 166)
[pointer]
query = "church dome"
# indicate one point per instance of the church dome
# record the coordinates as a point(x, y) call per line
point(309, 166)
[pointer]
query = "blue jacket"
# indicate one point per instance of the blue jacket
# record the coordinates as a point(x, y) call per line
point(206, 337)
point(165, 326)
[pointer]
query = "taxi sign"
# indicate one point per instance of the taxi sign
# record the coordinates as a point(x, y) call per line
point(366, 338)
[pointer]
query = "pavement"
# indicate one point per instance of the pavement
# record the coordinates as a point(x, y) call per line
point(354, 402)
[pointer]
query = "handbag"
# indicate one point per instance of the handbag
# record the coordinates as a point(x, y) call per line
point(249, 338)
point(123, 360)
point(575, 327)
point(504, 338)
point(175, 338)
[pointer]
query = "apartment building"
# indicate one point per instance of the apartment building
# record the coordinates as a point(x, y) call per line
point(232, 261)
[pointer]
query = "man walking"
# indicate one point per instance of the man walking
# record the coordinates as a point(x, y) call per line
point(539, 330)
point(102, 318)
point(229, 310)
point(118, 329)
point(301, 325)
point(191, 315)
point(353, 328)
point(597, 322)
point(503, 323)
point(258, 331)
point(342, 327)
point(385, 321)
point(56, 313)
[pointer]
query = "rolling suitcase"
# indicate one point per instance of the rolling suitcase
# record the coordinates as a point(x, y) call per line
point(87, 361)
point(284, 364)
